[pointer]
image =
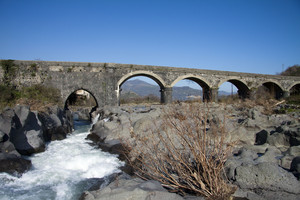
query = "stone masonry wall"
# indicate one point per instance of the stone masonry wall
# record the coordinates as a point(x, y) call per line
point(103, 80)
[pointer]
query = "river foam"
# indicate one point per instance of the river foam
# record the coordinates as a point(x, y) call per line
point(63, 171)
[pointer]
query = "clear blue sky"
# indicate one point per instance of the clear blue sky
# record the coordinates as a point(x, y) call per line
point(256, 36)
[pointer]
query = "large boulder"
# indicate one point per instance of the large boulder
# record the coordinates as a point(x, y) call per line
point(6, 118)
point(8, 147)
point(22, 132)
point(244, 156)
point(23, 129)
point(271, 155)
point(261, 137)
point(28, 138)
point(3, 137)
point(268, 180)
point(289, 155)
point(258, 175)
point(56, 123)
point(295, 166)
point(13, 164)
point(28, 131)
point(127, 189)
point(119, 123)
point(278, 140)
point(82, 114)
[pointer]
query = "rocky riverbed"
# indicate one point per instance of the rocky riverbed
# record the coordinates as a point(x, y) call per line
point(25, 132)
point(265, 163)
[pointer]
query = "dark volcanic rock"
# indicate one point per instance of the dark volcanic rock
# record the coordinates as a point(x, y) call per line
point(28, 131)
point(295, 166)
point(125, 187)
point(56, 124)
point(261, 137)
point(268, 181)
point(8, 147)
point(262, 167)
point(266, 176)
point(6, 118)
point(28, 139)
point(13, 164)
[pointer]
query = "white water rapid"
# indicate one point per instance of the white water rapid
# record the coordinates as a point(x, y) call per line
point(63, 171)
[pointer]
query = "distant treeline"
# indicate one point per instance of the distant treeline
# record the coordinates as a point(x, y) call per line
point(291, 71)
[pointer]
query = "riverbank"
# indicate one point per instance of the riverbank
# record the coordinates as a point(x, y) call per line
point(264, 162)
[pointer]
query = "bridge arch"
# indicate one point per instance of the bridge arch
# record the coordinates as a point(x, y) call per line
point(294, 89)
point(274, 88)
point(293, 85)
point(243, 89)
point(72, 92)
point(202, 82)
point(147, 74)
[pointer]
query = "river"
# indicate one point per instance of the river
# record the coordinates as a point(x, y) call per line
point(66, 169)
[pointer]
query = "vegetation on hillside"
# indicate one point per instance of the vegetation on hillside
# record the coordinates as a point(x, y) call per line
point(295, 92)
point(291, 71)
point(36, 96)
point(9, 71)
point(132, 98)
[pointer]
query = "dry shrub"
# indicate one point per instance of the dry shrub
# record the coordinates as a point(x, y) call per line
point(35, 104)
point(261, 97)
point(229, 99)
point(140, 99)
point(186, 152)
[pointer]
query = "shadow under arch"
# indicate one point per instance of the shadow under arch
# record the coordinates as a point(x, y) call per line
point(243, 90)
point(294, 89)
point(206, 92)
point(87, 95)
point(147, 74)
point(274, 89)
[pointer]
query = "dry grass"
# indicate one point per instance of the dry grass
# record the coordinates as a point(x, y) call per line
point(261, 97)
point(186, 152)
point(36, 105)
point(149, 99)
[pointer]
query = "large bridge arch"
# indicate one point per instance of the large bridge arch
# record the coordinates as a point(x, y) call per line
point(294, 89)
point(148, 74)
point(73, 90)
point(202, 82)
point(274, 88)
point(243, 89)
point(293, 85)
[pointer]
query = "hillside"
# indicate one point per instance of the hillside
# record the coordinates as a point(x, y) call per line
point(143, 88)
point(291, 71)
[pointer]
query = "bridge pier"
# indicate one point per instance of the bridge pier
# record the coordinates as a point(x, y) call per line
point(166, 95)
point(214, 94)
point(206, 94)
point(286, 94)
point(243, 94)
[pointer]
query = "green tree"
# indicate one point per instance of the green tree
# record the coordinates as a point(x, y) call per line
point(292, 71)
point(9, 71)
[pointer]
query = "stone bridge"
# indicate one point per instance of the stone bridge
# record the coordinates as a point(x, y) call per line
point(104, 80)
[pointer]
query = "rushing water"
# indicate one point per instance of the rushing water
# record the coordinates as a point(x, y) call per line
point(63, 171)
